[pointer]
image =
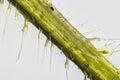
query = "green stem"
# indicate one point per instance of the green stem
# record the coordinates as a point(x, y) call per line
point(74, 45)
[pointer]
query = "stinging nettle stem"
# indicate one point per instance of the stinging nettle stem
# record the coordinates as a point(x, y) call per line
point(45, 17)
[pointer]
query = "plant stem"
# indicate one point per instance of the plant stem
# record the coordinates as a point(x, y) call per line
point(74, 45)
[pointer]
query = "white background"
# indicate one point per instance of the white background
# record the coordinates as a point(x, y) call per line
point(93, 18)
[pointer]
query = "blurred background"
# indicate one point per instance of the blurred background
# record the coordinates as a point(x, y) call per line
point(97, 19)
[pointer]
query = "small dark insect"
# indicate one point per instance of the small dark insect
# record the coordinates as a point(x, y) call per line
point(52, 8)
